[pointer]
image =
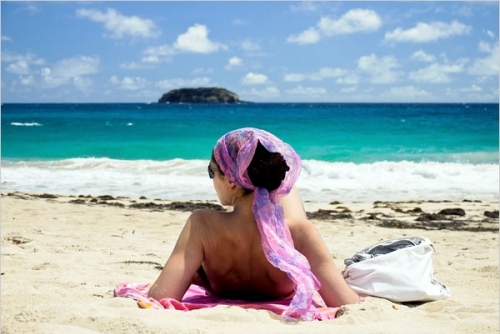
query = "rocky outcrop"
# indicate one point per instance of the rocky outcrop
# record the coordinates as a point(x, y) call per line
point(199, 95)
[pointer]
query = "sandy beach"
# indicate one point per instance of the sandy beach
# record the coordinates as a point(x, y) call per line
point(62, 256)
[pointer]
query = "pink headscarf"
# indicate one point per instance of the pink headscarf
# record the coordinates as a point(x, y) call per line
point(233, 153)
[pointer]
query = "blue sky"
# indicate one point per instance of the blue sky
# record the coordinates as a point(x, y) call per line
point(339, 51)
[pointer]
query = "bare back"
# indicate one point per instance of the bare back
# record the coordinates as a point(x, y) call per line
point(234, 260)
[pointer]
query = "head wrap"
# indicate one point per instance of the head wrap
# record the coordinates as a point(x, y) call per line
point(233, 153)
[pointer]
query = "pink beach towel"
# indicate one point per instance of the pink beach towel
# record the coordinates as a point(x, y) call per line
point(197, 297)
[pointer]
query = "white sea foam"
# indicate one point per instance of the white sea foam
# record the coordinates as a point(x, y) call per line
point(320, 181)
point(25, 124)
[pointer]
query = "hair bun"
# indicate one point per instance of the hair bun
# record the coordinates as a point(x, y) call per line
point(267, 169)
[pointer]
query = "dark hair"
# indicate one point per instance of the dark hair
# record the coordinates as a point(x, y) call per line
point(267, 169)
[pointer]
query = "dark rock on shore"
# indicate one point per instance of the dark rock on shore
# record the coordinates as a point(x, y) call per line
point(491, 214)
point(323, 214)
point(425, 217)
point(452, 212)
point(328, 215)
point(451, 225)
point(177, 206)
point(200, 95)
point(45, 196)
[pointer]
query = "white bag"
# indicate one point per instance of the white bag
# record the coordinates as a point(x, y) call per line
point(399, 270)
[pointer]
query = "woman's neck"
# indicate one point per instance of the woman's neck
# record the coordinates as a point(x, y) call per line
point(243, 205)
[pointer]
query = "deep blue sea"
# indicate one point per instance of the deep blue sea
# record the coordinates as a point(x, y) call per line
point(350, 152)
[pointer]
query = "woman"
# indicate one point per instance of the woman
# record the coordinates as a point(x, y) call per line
point(265, 248)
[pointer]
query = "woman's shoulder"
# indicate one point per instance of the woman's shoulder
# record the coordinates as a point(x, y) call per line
point(202, 213)
point(205, 216)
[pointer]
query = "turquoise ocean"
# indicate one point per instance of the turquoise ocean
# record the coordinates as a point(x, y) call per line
point(350, 152)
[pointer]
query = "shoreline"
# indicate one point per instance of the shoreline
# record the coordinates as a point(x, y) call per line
point(62, 259)
point(425, 214)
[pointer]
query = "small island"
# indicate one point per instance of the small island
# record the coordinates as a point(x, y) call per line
point(200, 95)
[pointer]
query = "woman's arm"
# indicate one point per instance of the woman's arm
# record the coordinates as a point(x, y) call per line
point(307, 240)
point(334, 289)
point(185, 260)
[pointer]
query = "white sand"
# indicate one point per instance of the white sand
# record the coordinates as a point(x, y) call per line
point(60, 262)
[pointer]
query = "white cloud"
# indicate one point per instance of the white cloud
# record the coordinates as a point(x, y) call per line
point(49, 80)
point(6, 38)
point(20, 67)
point(177, 82)
point(306, 91)
point(484, 46)
point(248, 45)
point(158, 54)
point(350, 89)
point(30, 7)
point(119, 25)
point(327, 72)
point(70, 70)
point(422, 56)
point(437, 73)
point(471, 89)
point(21, 64)
point(239, 22)
point(195, 40)
point(381, 69)
point(134, 66)
point(83, 83)
point(406, 92)
point(309, 36)
point(428, 32)
point(351, 79)
point(27, 80)
point(252, 48)
point(76, 66)
point(304, 6)
point(266, 93)
point(233, 62)
point(486, 66)
point(294, 77)
point(9, 57)
point(129, 83)
point(203, 70)
point(355, 20)
point(322, 73)
point(254, 79)
point(465, 11)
